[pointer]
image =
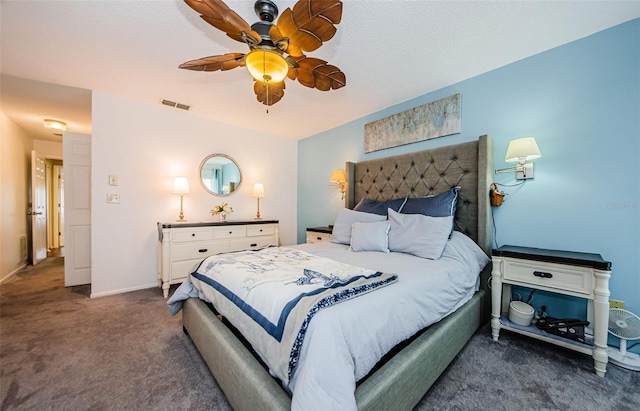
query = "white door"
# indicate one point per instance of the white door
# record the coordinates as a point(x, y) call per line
point(58, 204)
point(38, 210)
point(76, 151)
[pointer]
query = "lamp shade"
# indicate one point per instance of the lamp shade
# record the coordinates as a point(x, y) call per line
point(258, 190)
point(522, 149)
point(267, 66)
point(180, 185)
point(338, 176)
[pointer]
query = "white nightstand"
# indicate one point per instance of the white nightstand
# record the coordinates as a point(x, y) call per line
point(563, 272)
point(317, 234)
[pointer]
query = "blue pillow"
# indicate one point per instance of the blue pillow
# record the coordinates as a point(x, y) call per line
point(440, 205)
point(379, 207)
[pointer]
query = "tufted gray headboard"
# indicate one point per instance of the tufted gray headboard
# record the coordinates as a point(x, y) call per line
point(467, 165)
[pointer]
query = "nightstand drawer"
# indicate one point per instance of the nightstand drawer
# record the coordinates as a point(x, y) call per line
point(315, 237)
point(548, 275)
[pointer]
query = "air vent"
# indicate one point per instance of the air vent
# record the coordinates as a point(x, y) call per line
point(176, 105)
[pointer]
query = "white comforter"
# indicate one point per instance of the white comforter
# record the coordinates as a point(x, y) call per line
point(344, 341)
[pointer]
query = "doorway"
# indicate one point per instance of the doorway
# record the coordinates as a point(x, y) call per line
point(55, 209)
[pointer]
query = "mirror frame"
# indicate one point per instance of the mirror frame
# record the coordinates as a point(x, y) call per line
point(207, 189)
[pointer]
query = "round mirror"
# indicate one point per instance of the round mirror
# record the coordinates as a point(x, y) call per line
point(220, 175)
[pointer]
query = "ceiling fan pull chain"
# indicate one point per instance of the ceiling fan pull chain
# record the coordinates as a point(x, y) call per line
point(267, 86)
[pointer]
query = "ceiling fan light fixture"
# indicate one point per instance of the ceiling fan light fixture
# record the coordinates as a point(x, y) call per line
point(55, 125)
point(267, 66)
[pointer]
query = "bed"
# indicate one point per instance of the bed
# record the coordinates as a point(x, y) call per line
point(402, 377)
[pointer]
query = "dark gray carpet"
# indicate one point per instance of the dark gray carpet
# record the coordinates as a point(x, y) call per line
point(60, 350)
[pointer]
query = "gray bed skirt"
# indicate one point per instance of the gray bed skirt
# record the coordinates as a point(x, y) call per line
point(399, 384)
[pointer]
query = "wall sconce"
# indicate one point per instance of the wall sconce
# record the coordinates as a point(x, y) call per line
point(258, 191)
point(521, 150)
point(55, 125)
point(181, 186)
point(339, 178)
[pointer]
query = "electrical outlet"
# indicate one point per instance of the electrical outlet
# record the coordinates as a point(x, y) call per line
point(113, 180)
point(113, 198)
point(616, 304)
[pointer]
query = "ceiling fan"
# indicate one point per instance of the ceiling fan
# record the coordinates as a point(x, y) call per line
point(276, 50)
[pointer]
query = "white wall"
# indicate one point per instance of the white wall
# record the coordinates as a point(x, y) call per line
point(15, 170)
point(146, 146)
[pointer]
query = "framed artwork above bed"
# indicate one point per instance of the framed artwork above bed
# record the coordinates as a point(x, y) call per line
point(436, 119)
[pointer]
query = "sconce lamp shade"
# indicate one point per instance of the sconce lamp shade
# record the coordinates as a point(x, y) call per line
point(338, 176)
point(55, 125)
point(180, 185)
point(258, 190)
point(267, 66)
point(522, 150)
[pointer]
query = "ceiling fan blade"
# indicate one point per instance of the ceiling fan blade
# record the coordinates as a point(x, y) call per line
point(269, 94)
point(219, 15)
point(316, 73)
point(310, 23)
point(213, 63)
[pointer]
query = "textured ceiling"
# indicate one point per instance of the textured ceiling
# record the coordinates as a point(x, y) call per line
point(53, 52)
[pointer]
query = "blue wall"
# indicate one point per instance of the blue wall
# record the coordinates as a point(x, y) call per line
point(581, 102)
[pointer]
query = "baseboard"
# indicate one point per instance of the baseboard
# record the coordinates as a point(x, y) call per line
point(12, 273)
point(125, 290)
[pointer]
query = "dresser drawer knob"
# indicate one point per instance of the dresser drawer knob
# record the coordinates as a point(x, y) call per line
point(254, 245)
point(542, 274)
point(318, 238)
point(202, 250)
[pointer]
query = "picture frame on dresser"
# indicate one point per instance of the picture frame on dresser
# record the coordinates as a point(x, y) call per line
point(182, 245)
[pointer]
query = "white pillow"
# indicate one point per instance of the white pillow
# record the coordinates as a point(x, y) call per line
point(341, 233)
point(417, 234)
point(370, 236)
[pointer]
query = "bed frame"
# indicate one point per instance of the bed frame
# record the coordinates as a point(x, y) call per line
point(402, 379)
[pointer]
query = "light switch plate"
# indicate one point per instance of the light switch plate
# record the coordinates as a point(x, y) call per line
point(113, 180)
point(113, 198)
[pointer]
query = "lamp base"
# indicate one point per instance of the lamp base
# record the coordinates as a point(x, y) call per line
point(524, 172)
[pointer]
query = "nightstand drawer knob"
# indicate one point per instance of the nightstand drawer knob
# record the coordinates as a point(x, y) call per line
point(542, 274)
point(202, 250)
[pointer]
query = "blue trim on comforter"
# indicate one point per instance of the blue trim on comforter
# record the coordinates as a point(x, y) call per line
point(277, 330)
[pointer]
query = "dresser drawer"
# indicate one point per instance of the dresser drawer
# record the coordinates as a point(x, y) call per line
point(253, 243)
point(182, 252)
point(193, 234)
point(229, 232)
point(257, 230)
point(548, 275)
point(181, 269)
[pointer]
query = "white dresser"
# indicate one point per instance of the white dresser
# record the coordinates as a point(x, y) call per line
point(182, 245)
